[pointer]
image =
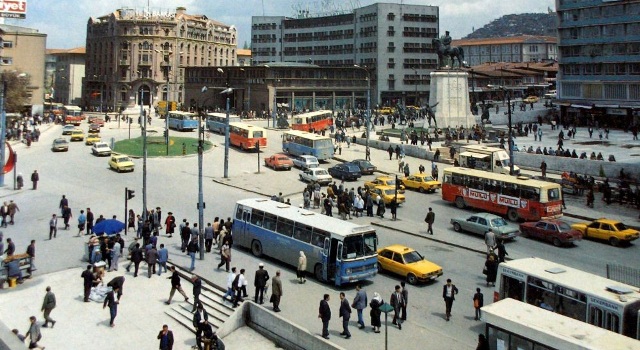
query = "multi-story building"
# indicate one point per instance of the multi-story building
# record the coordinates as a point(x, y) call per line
point(138, 57)
point(66, 75)
point(23, 51)
point(599, 57)
point(391, 41)
point(244, 57)
point(516, 49)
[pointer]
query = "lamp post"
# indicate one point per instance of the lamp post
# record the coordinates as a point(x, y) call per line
point(3, 127)
point(510, 139)
point(368, 114)
point(143, 126)
point(227, 91)
point(200, 189)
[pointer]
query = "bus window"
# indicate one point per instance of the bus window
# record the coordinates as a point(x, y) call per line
point(540, 293)
point(553, 194)
point(370, 244)
point(256, 217)
point(595, 317)
point(284, 227)
point(239, 213)
point(572, 304)
point(270, 222)
point(319, 237)
point(302, 233)
point(447, 179)
point(257, 134)
point(354, 247)
point(457, 179)
point(520, 343)
point(613, 322)
point(512, 288)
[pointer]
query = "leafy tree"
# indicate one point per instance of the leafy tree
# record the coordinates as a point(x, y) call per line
point(17, 93)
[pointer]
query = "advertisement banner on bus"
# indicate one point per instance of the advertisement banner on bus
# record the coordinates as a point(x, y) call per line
point(13, 8)
point(508, 201)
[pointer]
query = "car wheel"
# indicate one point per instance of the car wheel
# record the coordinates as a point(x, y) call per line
point(614, 241)
point(512, 215)
point(460, 203)
point(380, 269)
point(412, 279)
point(118, 170)
point(256, 248)
point(317, 271)
point(556, 242)
point(457, 227)
point(524, 233)
point(421, 189)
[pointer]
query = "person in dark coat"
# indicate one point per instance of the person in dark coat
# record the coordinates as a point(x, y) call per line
point(117, 283)
point(260, 282)
point(502, 251)
point(35, 177)
point(345, 313)
point(478, 302)
point(87, 277)
point(375, 312)
point(166, 338)
point(324, 313)
point(397, 301)
point(136, 259)
point(111, 301)
point(200, 320)
point(449, 292)
point(492, 270)
point(197, 289)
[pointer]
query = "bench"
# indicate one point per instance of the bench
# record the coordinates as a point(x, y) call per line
point(25, 267)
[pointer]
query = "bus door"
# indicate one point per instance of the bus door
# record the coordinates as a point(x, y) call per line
point(510, 288)
point(329, 269)
point(241, 223)
point(338, 265)
point(604, 318)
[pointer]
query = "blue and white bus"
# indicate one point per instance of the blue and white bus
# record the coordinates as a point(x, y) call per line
point(300, 143)
point(336, 250)
point(216, 121)
point(182, 121)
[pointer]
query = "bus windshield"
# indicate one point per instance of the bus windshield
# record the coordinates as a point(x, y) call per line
point(359, 246)
point(324, 143)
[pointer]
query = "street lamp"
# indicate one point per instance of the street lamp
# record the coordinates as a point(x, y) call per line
point(510, 136)
point(200, 189)
point(143, 127)
point(368, 114)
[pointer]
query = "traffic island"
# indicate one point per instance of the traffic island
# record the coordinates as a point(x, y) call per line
point(157, 147)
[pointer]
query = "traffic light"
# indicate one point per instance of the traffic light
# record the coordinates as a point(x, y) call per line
point(130, 194)
point(165, 133)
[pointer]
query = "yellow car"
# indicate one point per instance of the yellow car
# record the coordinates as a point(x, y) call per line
point(386, 110)
point(77, 135)
point(612, 231)
point(422, 183)
point(121, 162)
point(386, 193)
point(384, 181)
point(531, 99)
point(407, 262)
point(91, 139)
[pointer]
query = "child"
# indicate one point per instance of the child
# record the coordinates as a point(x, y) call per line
point(478, 302)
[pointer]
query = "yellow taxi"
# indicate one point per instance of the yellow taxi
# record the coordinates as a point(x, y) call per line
point(77, 135)
point(121, 162)
point(384, 181)
point(386, 193)
point(386, 110)
point(407, 262)
point(531, 99)
point(612, 231)
point(91, 139)
point(422, 183)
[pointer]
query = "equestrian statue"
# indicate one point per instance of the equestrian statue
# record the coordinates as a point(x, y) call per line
point(443, 48)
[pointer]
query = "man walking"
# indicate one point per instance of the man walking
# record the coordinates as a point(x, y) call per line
point(53, 226)
point(359, 303)
point(48, 304)
point(208, 237)
point(111, 301)
point(163, 257)
point(200, 318)
point(490, 241)
point(115, 255)
point(66, 216)
point(136, 258)
point(543, 168)
point(175, 285)
point(33, 334)
point(82, 221)
point(276, 291)
point(192, 249)
point(166, 338)
point(230, 278)
point(431, 217)
point(345, 313)
point(152, 259)
point(260, 282)
point(478, 302)
point(197, 289)
point(238, 283)
point(35, 177)
point(448, 294)
point(31, 252)
point(90, 220)
point(405, 299)
point(87, 277)
point(225, 256)
point(324, 314)
point(397, 301)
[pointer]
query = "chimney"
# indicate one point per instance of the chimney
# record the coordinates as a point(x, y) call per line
point(180, 10)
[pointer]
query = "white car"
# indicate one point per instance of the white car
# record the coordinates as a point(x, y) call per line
point(305, 162)
point(318, 175)
point(101, 149)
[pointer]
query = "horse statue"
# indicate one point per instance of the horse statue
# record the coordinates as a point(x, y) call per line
point(453, 52)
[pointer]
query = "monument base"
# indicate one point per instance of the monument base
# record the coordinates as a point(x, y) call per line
point(450, 89)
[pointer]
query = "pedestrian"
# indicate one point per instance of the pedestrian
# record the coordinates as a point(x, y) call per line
point(200, 319)
point(324, 314)
point(111, 301)
point(192, 249)
point(225, 256)
point(502, 251)
point(35, 177)
point(20, 181)
point(543, 168)
point(48, 304)
point(166, 338)
point(197, 289)
point(396, 301)
point(429, 219)
point(185, 233)
point(163, 257)
point(66, 216)
point(238, 282)
point(13, 209)
point(360, 303)
point(82, 221)
point(405, 299)
point(491, 266)
point(88, 278)
point(490, 240)
point(276, 292)
point(117, 283)
point(230, 278)
point(478, 302)
point(31, 252)
point(483, 344)
point(116, 251)
point(208, 237)
point(345, 313)
point(33, 334)
point(390, 151)
point(4, 212)
point(152, 259)
point(136, 257)
point(170, 224)
point(175, 285)
point(90, 220)
point(11, 247)
point(449, 292)
point(260, 283)
point(540, 134)
point(302, 267)
point(375, 312)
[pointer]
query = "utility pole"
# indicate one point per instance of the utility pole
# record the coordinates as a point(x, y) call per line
point(200, 190)
point(143, 125)
point(3, 128)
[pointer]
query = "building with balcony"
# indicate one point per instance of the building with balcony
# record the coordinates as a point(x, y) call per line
point(599, 57)
point(65, 74)
point(525, 48)
point(392, 42)
point(138, 57)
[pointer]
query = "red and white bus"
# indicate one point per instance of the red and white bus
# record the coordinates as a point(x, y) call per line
point(313, 121)
point(516, 197)
point(245, 136)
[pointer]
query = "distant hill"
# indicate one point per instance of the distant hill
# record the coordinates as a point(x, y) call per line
point(516, 25)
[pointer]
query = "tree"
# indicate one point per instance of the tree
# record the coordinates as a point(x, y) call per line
point(246, 46)
point(17, 93)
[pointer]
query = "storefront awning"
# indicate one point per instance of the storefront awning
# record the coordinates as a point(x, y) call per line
point(581, 106)
point(607, 106)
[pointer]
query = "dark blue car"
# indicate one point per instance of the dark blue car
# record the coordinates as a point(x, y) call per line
point(345, 171)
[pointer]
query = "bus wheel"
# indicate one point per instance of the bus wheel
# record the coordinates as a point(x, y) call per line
point(614, 241)
point(460, 203)
point(256, 248)
point(512, 215)
point(412, 279)
point(317, 270)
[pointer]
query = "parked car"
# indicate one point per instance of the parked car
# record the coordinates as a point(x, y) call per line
point(319, 175)
point(366, 168)
point(60, 145)
point(121, 162)
point(407, 262)
point(305, 162)
point(77, 135)
point(345, 171)
point(481, 222)
point(422, 183)
point(67, 129)
point(555, 231)
point(91, 139)
point(613, 231)
point(385, 181)
point(279, 161)
point(387, 194)
point(101, 149)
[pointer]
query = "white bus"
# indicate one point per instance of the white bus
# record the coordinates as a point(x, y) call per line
point(573, 293)
point(515, 325)
point(336, 250)
point(217, 122)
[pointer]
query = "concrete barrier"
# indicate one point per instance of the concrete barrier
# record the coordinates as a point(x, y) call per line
point(580, 166)
point(8, 340)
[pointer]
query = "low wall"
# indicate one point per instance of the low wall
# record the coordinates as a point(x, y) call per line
point(580, 166)
point(8, 340)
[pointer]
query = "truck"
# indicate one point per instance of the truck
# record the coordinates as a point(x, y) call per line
point(72, 115)
point(486, 158)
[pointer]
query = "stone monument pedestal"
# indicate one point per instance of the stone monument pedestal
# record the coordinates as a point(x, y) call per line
point(450, 89)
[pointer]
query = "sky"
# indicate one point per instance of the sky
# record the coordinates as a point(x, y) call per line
point(65, 21)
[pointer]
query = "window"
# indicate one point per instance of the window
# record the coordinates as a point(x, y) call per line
point(256, 217)
point(398, 258)
point(7, 44)
point(302, 233)
point(285, 227)
point(7, 61)
point(387, 254)
point(269, 222)
point(318, 237)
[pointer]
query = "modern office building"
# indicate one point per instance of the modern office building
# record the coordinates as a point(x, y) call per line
point(139, 56)
point(66, 75)
point(23, 51)
point(599, 57)
point(392, 42)
point(516, 49)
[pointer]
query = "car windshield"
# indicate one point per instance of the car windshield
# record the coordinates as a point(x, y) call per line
point(365, 164)
point(283, 158)
point(352, 167)
point(390, 192)
point(412, 257)
point(101, 145)
point(60, 141)
point(564, 227)
point(321, 172)
point(620, 226)
point(498, 222)
point(122, 159)
point(358, 246)
point(428, 178)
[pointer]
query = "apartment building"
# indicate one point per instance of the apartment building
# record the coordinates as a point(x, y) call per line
point(66, 75)
point(515, 49)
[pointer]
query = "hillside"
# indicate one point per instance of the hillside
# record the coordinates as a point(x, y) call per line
point(520, 24)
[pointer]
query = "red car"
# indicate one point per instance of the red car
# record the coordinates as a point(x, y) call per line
point(279, 161)
point(555, 231)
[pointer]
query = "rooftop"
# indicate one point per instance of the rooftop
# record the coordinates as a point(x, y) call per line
point(75, 50)
point(523, 39)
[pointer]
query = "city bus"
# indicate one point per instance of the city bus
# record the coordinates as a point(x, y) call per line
point(313, 121)
point(511, 324)
point(245, 136)
point(217, 121)
point(573, 293)
point(516, 197)
point(72, 115)
point(182, 121)
point(300, 143)
point(337, 251)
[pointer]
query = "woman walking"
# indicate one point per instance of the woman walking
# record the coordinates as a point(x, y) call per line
point(302, 267)
point(131, 222)
point(375, 312)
